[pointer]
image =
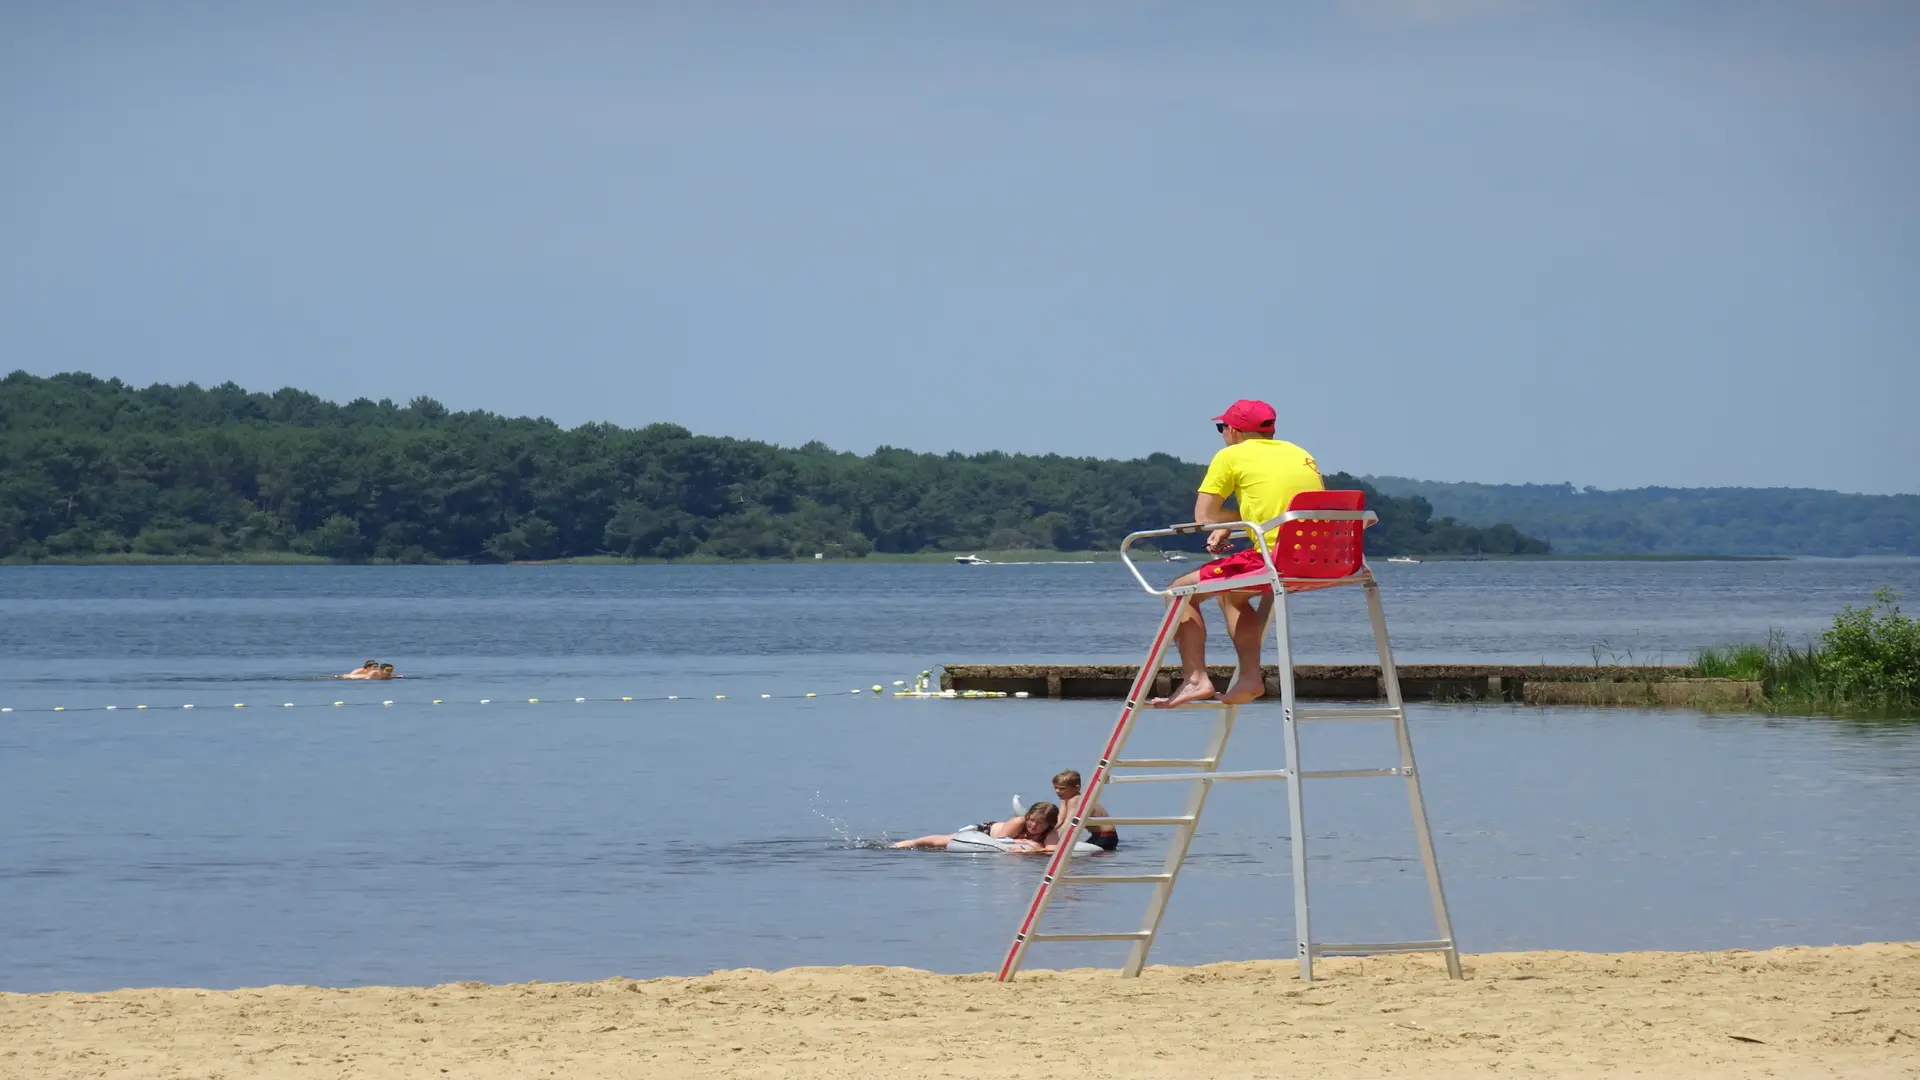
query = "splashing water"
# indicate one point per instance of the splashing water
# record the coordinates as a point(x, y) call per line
point(842, 830)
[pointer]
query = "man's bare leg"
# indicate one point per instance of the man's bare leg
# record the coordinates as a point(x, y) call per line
point(1246, 625)
point(1190, 637)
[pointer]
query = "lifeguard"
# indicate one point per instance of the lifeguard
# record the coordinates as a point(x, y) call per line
point(1262, 474)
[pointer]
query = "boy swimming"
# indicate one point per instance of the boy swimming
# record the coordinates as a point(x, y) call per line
point(1066, 784)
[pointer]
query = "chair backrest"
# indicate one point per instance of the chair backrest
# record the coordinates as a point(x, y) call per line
point(1321, 549)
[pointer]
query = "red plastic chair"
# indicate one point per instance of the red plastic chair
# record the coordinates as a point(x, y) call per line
point(1309, 553)
point(1322, 549)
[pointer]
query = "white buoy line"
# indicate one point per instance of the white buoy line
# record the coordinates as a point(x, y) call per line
point(920, 688)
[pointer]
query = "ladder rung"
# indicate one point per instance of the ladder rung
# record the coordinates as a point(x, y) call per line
point(1149, 762)
point(1304, 715)
point(1180, 819)
point(1150, 778)
point(1367, 948)
point(1335, 774)
point(1116, 879)
point(1124, 935)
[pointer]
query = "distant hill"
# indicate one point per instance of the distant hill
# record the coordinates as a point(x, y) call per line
point(1684, 521)
point(93, 468)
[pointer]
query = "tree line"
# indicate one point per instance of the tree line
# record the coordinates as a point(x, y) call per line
point(1703, 521)
point(95, 467)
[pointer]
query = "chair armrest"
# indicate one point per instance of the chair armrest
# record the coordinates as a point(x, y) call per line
point(1259, 532)
point(1367, 518)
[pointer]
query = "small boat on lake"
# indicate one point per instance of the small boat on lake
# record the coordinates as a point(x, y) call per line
point(1403, 559)
point(1174, 556)
point(970, 560)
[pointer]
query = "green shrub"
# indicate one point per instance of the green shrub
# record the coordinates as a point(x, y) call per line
point(1869, 661)
point(1872, 653)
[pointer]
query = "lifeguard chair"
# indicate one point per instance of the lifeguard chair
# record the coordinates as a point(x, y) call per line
point(1319, 546)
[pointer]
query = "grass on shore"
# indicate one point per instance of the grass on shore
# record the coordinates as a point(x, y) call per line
point(1867, 663)
point(135, 558)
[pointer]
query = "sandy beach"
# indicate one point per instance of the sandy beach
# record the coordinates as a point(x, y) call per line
point(1837, 1011)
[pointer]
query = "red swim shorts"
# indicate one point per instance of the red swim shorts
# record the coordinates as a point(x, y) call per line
point(1234, 565)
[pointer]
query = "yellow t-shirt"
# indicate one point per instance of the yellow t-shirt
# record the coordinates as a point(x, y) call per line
point(1265, 475)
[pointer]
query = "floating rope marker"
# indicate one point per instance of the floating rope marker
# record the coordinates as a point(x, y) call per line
point(919, 688)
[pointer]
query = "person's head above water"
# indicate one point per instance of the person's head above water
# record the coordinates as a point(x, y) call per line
point(370, 664)
point(1066, 783)
point(1245, 419)
point(1041, 818)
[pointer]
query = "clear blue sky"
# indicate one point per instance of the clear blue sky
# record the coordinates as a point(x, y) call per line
point(1613, 243)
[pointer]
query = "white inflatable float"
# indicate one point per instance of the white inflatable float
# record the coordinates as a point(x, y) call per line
point(972, 839)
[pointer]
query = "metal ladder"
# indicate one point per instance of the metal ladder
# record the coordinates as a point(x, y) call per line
point(1205, 771)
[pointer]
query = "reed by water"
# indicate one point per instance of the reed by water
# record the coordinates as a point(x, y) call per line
point(1867, 662)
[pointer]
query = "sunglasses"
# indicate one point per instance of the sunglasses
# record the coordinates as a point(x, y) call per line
point(1220, 428)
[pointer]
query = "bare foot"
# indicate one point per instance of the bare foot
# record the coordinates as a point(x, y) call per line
point(1244, 689)
point(1196, 688)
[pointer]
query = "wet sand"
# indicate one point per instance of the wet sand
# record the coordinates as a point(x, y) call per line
point(1849, 1011)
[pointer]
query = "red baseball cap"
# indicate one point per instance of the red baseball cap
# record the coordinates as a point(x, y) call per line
point(1247, 415)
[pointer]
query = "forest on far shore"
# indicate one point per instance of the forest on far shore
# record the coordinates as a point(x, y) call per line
point(95, 467)
point(1684, 521)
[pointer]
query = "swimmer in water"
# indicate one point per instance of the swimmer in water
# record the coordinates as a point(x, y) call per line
point(385, 672)
point(1028, 829)
point(1066, 785)
point(364, 671)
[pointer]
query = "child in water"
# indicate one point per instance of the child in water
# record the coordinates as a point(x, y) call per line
point(1029, 829)
point(1067, 786)
point(368, 670)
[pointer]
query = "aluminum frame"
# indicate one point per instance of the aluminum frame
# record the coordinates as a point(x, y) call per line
point(1208, 773)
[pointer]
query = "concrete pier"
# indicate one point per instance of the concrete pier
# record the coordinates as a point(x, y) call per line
point(1536, 684)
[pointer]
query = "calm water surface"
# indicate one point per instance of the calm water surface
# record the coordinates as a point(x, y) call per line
point(416, 843)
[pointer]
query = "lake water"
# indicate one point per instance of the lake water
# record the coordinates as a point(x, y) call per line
point(419, 843)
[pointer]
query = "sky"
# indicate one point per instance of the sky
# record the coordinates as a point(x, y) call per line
point(1617, 244)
